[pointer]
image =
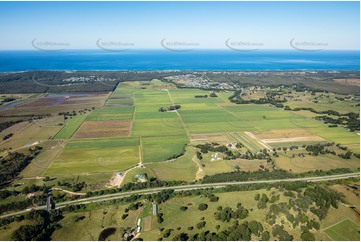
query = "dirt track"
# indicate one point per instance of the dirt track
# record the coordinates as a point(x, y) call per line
point(295, 139)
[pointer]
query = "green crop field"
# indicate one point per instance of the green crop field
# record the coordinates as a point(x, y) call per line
point(123, 89)
point(112, 113)
point(186, 96)
point(96, 155)
point(344, 231)
point(148, 121)
point(102, 143)
point(207, 119)
point(121, 96)
point(339, 135)
point(125, 100)
point(162, 147)
point(158, 127)
point(70, 127)
point(263, 117)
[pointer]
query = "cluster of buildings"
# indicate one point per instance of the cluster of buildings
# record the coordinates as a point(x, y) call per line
point(83, 79)
point(201, 82)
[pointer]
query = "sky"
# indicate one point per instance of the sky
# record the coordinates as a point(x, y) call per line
point(204, 25)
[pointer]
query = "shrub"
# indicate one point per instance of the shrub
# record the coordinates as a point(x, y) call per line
point(183, 208)
point(202, 206)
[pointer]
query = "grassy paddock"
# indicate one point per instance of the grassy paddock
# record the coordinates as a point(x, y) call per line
point(308, 163)
point(181, 169)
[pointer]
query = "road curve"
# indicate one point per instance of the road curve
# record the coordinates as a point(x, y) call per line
point(184, 188)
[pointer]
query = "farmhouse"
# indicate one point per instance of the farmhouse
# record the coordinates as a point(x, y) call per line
point(141, 177)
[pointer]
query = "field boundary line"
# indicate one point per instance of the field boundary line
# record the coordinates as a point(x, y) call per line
point(58, 132)
point(179, 116)
point(259, 141)
point(239, 137)
point(140, 151)
point(250, 143)
point(56, 156)
point(333, 231)
point(109, 95)
point(66, 124)
point(238, 117)
point(84, 173)
point(343, 237)
point(71, 137)
point(184, 125)
point(133, 115)
point(335, 224)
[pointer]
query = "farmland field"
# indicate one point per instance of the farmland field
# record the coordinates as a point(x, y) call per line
point(103, 129)
point(338, 135)
point(131, 113)
point(182, 168)
point(23, 133)
point(93, 156)
point(55, 103)
point(152, 133)
point(112, 113)
point(148, 121)
point(162, 147)
point(70, 127)
point(346, 230)
point(292, 162)
point(132, 110)
point(38, 166)
point(323, 102)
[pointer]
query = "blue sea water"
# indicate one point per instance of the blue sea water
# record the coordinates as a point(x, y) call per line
point(14, 61)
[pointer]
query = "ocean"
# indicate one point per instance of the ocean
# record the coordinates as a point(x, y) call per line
point(212, 60)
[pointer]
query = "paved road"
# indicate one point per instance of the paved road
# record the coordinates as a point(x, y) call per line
point(184, 188)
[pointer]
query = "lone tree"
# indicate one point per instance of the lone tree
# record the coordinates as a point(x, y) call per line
point(202, 206)
point(183, 208)
point(307, 236)
point(213, 94)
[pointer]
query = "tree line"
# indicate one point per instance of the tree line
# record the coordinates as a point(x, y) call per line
point(247, 176)
point(270, 98)
point(170, 108)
